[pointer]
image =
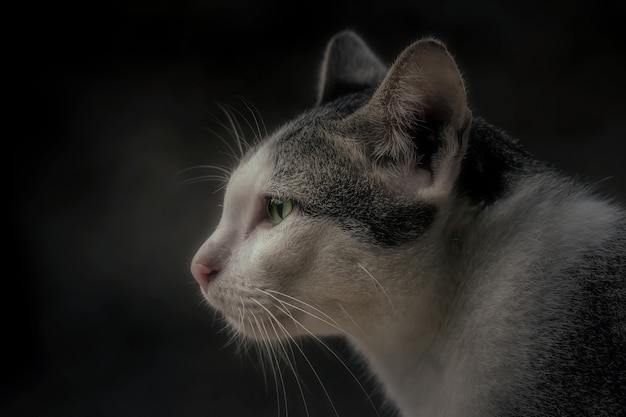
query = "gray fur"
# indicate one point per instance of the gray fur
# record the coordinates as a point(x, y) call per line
point(474, 279)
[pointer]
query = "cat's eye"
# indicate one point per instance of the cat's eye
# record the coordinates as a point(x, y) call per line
point(278, 209)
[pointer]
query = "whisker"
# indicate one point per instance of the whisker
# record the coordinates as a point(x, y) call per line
point(349, 317)
point(257, 132)
point(232, 154)
point(219, 168)
point(281, 349)
point(234, 337)
point(237, 337)
point(320, 341)
point(255, 112)
point(241, 309)
point(235, 127)
point(377, 283)
point(334, 323)
point(203, 178)
point(291, 365)
point(216, 177)
point(341, 361)
point(222, 176)
point(241, 115)
point(306, 358)
point(242, 136)
point(273, 357)
point(220, 188)
point(261, 349)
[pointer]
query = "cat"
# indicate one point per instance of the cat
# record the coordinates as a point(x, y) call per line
point(473, 279)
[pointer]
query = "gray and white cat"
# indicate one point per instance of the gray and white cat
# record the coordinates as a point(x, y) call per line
point(474, 280)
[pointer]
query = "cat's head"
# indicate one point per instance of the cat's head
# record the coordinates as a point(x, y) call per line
point(324, 219)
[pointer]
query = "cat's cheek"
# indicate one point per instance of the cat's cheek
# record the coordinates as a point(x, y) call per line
point(281, 252)
point(262, 227)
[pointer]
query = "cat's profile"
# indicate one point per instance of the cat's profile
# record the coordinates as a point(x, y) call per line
point(474, 280)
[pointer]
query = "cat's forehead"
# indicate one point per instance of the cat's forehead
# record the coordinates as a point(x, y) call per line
point(308, 157)
point(320, 134)
point(321, 121)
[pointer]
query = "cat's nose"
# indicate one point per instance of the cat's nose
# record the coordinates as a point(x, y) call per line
point(204, 274)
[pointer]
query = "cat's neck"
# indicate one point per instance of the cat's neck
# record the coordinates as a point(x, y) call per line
point(407, 358)
point(404, 349)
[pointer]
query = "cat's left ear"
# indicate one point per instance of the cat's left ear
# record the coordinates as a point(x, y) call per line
point(348, 66)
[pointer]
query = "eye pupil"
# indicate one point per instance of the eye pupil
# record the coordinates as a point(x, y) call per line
point(278, 209)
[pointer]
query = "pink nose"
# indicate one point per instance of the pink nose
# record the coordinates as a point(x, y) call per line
point(203, 274)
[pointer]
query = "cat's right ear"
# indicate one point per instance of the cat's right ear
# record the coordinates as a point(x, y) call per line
point(349, 66)
point(418, 119)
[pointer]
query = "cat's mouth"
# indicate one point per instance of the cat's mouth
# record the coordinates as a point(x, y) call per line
point(269, 315)
point(262, 324)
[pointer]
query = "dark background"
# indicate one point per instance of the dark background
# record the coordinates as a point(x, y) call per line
point(109, 101)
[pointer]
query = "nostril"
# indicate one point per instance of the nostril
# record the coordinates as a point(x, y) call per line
point(203, 274)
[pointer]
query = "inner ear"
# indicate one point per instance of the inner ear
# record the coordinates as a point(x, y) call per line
point(349, 66)
point(425, 139)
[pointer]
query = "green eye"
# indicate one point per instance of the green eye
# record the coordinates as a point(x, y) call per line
point(278, 209)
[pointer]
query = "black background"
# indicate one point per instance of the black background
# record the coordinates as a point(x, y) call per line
point(107, 101)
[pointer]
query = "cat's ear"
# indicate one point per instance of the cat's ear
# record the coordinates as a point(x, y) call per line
point(348, 66)
point(418, 116)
